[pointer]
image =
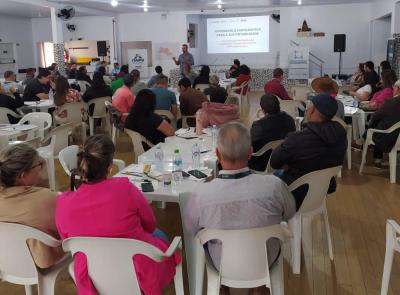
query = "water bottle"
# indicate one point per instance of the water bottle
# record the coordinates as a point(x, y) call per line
point(159, 157)
point(214, 137)
point(196, 155)
point(177, 168)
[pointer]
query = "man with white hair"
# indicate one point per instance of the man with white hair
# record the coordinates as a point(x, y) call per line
point(216, 92)
point(238, 199)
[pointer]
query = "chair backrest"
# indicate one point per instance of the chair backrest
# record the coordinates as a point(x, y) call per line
point(251, 265)
point(99, 110)
point(201, 87)
point(41, 119)
point(137, 140)
point(68, 158)
point(59, 137)
point(112, 272)
point(318, 185)
point(185, 123)
point(16, 263)
point(83, 85)
point(291, 107)
point(74, 112)
point(270, 146)
point(4, 112)
point(165, 113)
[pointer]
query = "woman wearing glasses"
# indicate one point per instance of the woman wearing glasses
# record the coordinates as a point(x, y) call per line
point(23, 201)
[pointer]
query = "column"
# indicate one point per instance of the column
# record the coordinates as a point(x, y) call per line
point(396, 54)
point(58, 40)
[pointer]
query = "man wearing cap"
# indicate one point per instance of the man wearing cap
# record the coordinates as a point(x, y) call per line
point(328, 86)
point(319, 145)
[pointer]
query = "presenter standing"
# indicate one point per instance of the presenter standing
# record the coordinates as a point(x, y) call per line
point(184, 58)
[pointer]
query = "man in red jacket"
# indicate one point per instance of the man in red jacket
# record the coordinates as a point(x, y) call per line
point(275, 86)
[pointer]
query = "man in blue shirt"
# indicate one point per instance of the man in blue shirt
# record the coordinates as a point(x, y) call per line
point(184, 58)
point(165, 99)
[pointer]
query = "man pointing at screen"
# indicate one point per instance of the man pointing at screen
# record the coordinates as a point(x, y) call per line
point(184, 58)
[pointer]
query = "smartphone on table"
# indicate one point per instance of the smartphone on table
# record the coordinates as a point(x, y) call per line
point(198, 174)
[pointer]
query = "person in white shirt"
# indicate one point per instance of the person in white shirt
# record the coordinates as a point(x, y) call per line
point(10, 82)
point(238, 199)
point(364, 93)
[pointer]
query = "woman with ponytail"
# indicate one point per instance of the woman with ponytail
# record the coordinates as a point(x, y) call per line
point(111, 207)
point(23, 201)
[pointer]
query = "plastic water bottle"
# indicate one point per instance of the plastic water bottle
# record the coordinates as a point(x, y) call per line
point(159, 157)
point(177, 168)
point(196, 155)
point(214, 137)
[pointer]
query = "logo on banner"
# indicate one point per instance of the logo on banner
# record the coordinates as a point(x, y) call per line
point(138, 60)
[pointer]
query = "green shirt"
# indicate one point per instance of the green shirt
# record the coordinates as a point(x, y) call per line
point(116, 84)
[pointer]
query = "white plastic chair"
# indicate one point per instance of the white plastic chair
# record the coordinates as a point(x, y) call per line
point(40, 119)
point(349, 133)
point(185, 120)
point(249, 269)
point(74, 115)
point(270, 146)
point(392, 245)
point(202, 87)
point(392, 154)
point(137, 140)
point(112, 272)
point(16, 263)
point(58, 138)
point(83, 85)
point(291, 107)
point(4, 118)
point(314, 203)
point(243, 97)
point(68, 158)
point(167, 114)
point(99, 111)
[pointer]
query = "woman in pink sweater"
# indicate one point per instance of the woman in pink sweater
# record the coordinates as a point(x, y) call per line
point(111, 207)
point(123, 98)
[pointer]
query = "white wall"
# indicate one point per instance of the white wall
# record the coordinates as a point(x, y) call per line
point(350, 19)
point(18, 30)
point(170, 28)
point(93, 28)
point(380, 35)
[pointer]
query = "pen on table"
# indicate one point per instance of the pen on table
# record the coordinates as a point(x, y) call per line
point(133, 174)
point(152, 177)
point(203, 152)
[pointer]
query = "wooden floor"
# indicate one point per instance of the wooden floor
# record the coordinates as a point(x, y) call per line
point(357, 214)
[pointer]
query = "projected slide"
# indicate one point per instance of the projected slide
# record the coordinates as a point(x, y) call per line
point(238, 34)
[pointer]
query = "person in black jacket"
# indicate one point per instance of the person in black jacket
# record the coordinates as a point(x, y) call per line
point(98, 88)
point(274, 126)
point(82, 75)
point(321, 144)
point(12, 103)
point(385, 117)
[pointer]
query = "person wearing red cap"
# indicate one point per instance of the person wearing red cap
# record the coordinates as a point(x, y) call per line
point(319, 145)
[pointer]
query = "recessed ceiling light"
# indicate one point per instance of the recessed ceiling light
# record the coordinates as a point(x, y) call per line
point(219, 6)
point(299, 2)
point(114, 3)
point(145, 9)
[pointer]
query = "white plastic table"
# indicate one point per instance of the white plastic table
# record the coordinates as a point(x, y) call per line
point(41, 105)
point(13, 130)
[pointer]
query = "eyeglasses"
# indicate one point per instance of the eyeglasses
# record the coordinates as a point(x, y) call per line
point(40, 164)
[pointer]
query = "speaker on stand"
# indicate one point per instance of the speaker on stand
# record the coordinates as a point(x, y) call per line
point(339, 45)
point(102, 49)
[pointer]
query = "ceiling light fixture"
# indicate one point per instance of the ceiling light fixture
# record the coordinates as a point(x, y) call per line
point(114, 3)
point(299, 2)
point(219, 6)
point(145, 9)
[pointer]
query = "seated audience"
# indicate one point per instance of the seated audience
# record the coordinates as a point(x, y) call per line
point(358, 76)
point(114, 208)
point(11, 102)
point(385, 117)
point(234, 71)
point(388, 79)
point(153, 79)
point(39, 87)
point(54, 70)
point(143, 120)
point(165, 99)
point(116, 69)
point(216, 92)
point(189, 73)
point(64, 94)
point(10, 80)
point(238, 199)
point(123, 98)
point(215, 113)
point(72, 71)
point(385, 65)
point(24, 201)
point(137, 84)
point(117, 83)
point(29, 76)
point(275, 86)
point(82, 75)
point(367, 88)
point(320, 144)
point(326, 85)
point(203, 77)
point(190, 99)
point(275, 125)
point(98, 88)
point(243, 77)
point(100, 65)
point(369, 67)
